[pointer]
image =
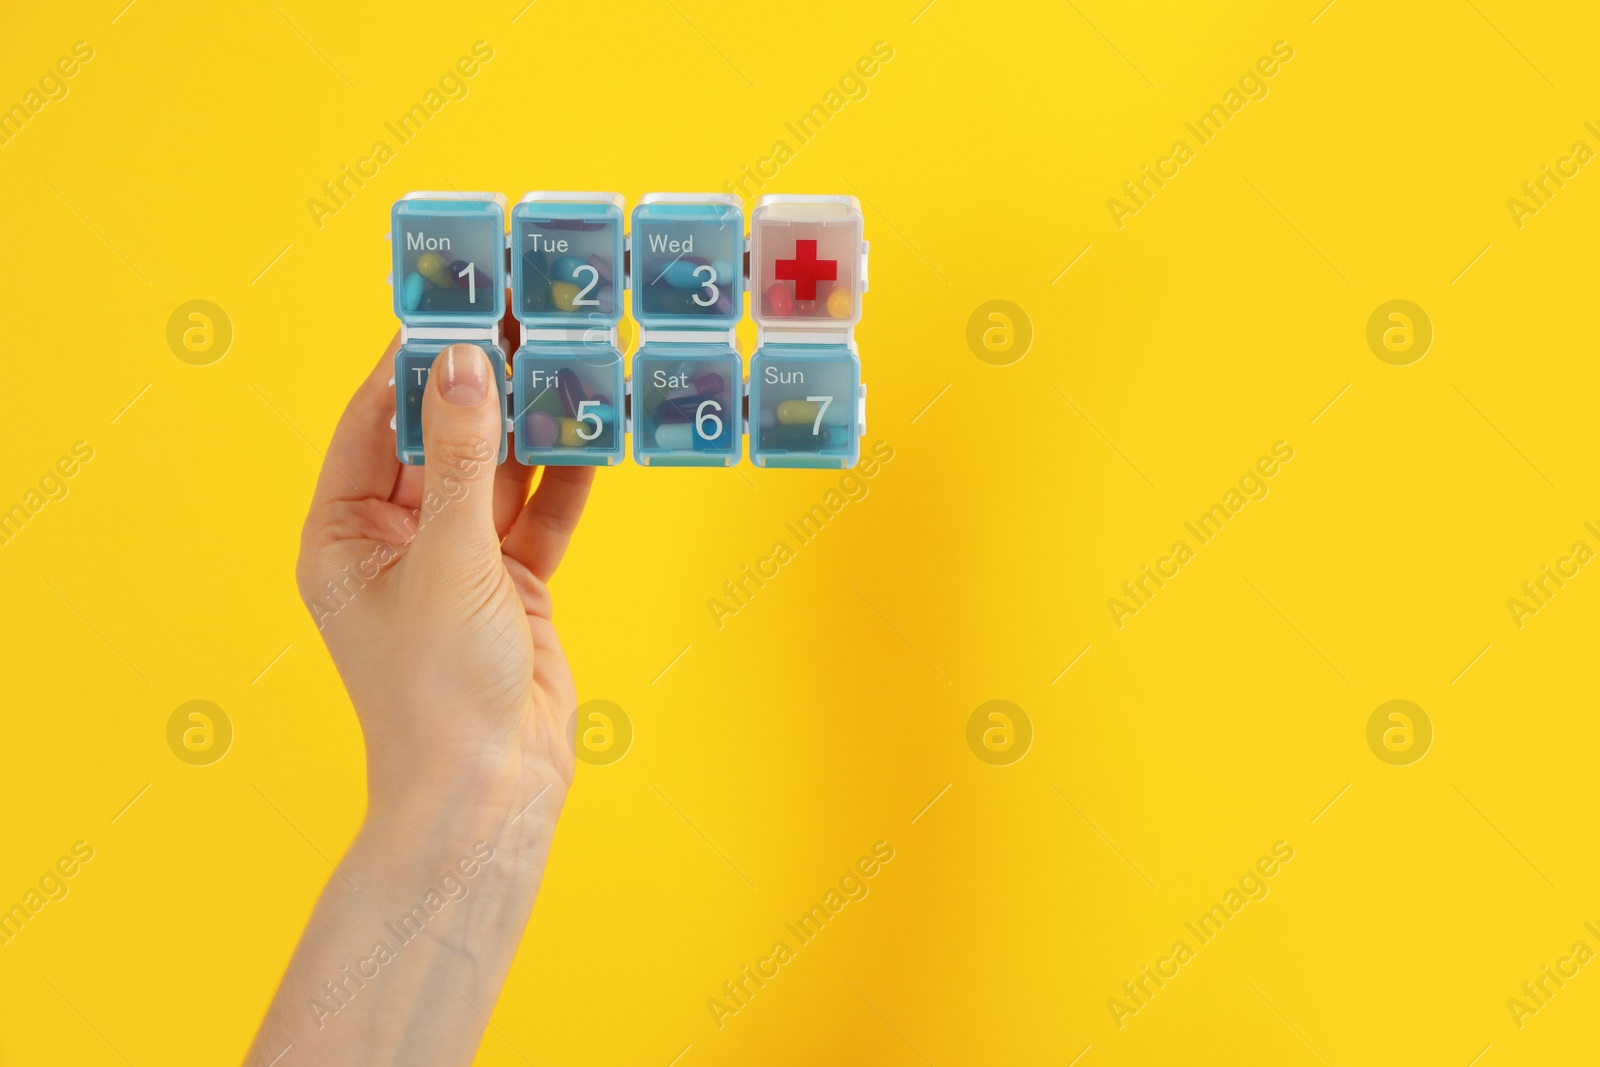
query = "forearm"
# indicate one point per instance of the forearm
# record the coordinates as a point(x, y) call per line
point(410, 942)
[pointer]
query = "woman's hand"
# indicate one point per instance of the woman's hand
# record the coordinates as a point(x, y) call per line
point(430, 589)
point(430, 586)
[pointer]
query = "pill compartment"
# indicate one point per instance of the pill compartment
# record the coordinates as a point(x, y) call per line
point(412, 365)
point(566, 259)
point(804, 404)
point(687, 405)
point(806, 263)
point(449, 258)
point(568, 404)
point(688, 260)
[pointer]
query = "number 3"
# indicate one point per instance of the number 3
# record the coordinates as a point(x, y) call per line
point(709, 284)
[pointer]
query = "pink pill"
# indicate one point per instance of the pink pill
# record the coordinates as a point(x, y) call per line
point(779, 300)
point(543, 431)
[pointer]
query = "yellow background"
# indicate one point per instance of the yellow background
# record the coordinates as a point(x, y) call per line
point(1223, 717)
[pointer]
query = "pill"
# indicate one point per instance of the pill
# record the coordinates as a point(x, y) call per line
point(543, 430)
point(724, 271)
point(779, 300)
point(602, 264)
point(432, 266)
point(565, 269)
point(564, 295)
point(570, 436)
point(570, 387)
point(603, 399)
point(840, 303)
point(679, 274)
point(677, 435)
point(798, 412)
point(804, 413)
point(411, 292)
point(794, 438)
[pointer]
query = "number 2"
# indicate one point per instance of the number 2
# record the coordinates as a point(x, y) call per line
point(594, 280)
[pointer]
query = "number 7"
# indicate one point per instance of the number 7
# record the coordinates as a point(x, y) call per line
point(816, 427)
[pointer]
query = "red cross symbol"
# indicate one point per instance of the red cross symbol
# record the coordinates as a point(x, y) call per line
point(806, 270)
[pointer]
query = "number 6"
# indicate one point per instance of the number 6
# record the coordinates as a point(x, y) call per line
point(702, 416)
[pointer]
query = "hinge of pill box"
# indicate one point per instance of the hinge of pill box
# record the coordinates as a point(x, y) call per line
point(661, 336)
point(866, 246)
point(844, 335)
point(450, 333)
point(589, 335)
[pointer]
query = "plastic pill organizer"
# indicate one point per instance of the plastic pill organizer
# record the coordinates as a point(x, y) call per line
point(688, 263)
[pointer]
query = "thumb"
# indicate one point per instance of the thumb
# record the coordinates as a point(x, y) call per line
point(461, 435)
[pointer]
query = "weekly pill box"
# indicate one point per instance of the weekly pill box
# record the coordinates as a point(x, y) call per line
point(683, 268)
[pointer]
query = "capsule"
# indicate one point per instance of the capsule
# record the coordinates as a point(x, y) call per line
point(571, 389)
point(432, 266)
point(804, 413)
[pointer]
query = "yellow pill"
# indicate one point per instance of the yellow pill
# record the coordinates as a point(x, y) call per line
point(564, 294)
point(569, 432)
point(839, 302)
point(432, 266)
point(798, 412)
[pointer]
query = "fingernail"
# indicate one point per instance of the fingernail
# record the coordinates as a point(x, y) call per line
point(465, 381)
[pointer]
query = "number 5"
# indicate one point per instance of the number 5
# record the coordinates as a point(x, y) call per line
point(585, 415)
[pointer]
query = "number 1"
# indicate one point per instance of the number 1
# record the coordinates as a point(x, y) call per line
point(472, 283)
